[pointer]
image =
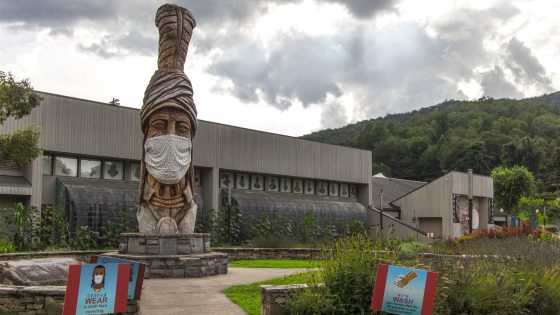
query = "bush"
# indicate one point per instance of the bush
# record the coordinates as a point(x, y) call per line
point(217, 224)
point(349, 269)
point(519, 276)
point(307, 229)
point(6, 247)
point(552, 229)
point(525, 231)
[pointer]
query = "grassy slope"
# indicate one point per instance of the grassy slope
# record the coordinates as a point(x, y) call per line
point(249, 296)
point(275, 263)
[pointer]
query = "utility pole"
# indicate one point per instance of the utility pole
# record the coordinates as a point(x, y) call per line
point(470, 200)
point(381, 213)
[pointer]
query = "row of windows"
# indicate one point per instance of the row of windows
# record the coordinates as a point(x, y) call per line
point(286, 185)
point(88, 168)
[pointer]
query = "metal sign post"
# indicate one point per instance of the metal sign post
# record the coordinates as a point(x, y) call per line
point(229, 215)
point(381, 214)
point(470, 200)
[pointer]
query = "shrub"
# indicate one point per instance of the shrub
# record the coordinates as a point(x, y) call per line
point(6, 247)
point(349, 269)
point(518, 276)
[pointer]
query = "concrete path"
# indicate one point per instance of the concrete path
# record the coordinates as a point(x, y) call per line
point(202, 295)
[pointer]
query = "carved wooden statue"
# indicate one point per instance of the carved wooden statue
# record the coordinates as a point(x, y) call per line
point(168, 119)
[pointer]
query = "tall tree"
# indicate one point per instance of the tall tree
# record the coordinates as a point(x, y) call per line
point(17, 99)
point(510, 184)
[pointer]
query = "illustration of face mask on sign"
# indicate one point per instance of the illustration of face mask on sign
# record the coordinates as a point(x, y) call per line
point(168, 157)
point(98, 281)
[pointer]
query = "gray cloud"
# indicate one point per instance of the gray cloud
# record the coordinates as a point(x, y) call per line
point(113, 46)
point(526, 67)
point(496, 85)
point(298, 67)
point(364, 9)
point(333, 115)
point(391, 69)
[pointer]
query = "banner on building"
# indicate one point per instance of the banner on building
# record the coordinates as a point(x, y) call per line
point(96, 289)
point(491, 210)
point(136, 278)
point(455, 215)
point(404, 291)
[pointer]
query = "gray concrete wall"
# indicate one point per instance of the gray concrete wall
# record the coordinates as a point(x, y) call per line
point(393, 227)
point(435, 200)
point(85, 128)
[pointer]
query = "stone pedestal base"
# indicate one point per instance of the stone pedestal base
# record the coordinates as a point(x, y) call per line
point(177, 244)
point(179, 266)
point(172, 256)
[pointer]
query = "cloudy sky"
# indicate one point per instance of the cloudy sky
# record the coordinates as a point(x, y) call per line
point(291, 67)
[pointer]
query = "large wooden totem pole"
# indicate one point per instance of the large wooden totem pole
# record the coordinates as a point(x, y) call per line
point(168, 120)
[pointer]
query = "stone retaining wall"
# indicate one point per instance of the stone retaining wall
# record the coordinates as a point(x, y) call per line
point(42, 300)
point(274, 296)
point(82, 256)
point(271, 253)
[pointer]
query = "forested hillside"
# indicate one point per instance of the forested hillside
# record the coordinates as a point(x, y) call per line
point(479, 134)
point(343, 134)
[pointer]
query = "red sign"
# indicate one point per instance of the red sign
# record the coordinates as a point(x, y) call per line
point(96, 289)
point(404, 291)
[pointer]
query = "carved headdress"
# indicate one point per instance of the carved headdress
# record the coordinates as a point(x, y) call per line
point(169, 86)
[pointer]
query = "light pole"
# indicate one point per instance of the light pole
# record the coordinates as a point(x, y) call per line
point(537, 212)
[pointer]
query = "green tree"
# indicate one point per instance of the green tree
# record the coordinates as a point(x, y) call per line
point(529, 205)
point(510, 184)
point(17, 100)
point(553, 211)
point(380, 168)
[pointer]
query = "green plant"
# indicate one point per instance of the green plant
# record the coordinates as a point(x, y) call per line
point(217, 224)
point(84, 238)
point(6, 246)
point(348, 272)
point(126, 224)
point(249, 296)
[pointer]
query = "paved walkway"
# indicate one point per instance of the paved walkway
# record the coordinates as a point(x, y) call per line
point(202, 295)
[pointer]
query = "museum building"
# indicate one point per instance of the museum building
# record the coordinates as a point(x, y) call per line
point(91, 167)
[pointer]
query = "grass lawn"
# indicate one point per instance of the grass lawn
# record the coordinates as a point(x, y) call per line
point(249, 296)
point(275, 263)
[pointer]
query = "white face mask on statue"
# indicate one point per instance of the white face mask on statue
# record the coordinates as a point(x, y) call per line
point(98, 279)
point(168, 158)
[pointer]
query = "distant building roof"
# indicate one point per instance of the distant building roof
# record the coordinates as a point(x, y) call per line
point(393, 189)
point(380, 175)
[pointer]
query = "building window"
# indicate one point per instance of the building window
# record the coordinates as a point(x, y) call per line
point(353, 191)
point(333, 189)
point(309, 187)
point(90, 168)
point(286, 185)
point(135, 172)
point(47, 164)
point(298, 186)
point(227, 180)
point(273, 184)
point(257, 182)
point(242, 181)
point(344, 190)
point(323, 188)
point(66, 166)
point(113, 170)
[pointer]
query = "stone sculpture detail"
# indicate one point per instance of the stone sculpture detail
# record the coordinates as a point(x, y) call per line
point(169, 124)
